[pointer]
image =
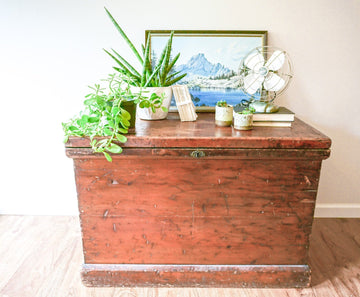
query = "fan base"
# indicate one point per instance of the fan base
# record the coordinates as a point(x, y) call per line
point(267, 107)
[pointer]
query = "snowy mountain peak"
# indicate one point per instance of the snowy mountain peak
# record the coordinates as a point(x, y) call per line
point(199, 65)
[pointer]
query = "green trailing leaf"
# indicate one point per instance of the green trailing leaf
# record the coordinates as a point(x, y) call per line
point(104, 115)
point(125, 123)
point(122, 33)
point(125, 114)
point(121, 138)
point(122, 130)
point(107, 156)
point(114, 148)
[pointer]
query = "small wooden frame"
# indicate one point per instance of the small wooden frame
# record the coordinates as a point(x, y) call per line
point(184, 104)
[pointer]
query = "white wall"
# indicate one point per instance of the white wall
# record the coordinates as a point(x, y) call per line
point(52, 49)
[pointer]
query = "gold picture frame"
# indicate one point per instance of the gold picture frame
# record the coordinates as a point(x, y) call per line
point(218, 52)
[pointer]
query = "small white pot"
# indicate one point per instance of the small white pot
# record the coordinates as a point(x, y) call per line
point(146, 113)
point(243, 121)
point(223, 115)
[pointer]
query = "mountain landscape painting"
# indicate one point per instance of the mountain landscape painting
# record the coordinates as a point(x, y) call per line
point(211, 60)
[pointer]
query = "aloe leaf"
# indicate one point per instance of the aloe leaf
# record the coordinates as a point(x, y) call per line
point(162, 56)
point(176, 79)
point(125, 70)
point(164, 71)
point(172, 75)
point(133, 80)
point(126, 63)
point(172, 63)
point(122, 33)
point(143, 49)
point(146, 61)
point(157, 69)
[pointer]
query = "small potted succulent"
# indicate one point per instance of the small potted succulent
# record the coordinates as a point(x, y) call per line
point(223, 114)
point(153, 80)
point(243, 120)
point(110, 112)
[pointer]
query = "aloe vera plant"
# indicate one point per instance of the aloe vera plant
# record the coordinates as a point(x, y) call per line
point(161, 75)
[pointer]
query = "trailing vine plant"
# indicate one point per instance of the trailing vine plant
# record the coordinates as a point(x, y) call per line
point(104, 115)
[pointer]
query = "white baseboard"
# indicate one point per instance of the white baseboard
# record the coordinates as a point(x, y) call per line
point(337, 210)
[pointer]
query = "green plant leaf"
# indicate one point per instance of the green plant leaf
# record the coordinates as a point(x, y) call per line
point(121, 138)
point(125, 123)
point(147, 63)
point(108, 132)
point(115, 110)
point(114, 148)
point(125, 114)
point(125, 70)
point(176, 79)
point(172, 63)
point(122, 130)
point(164, 69)
point(107, 156)
point(152, 75)
point(126, 63)
point(122, 33)
point(93, 120)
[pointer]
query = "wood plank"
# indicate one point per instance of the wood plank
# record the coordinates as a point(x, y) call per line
point(194, 240)
point(139, 187)
point(196, 275)
point(219, 153)
point(204, 133)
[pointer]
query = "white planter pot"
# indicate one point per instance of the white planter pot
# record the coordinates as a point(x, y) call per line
point(146, 113)
point(243, 121)
point(223, 116)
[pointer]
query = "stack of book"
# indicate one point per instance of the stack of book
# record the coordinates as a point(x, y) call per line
point(184, 104)
point(283, 118)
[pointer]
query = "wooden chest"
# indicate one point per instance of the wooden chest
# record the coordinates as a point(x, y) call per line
point(192, 204)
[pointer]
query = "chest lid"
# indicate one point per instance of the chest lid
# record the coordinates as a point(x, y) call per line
point(172, 133)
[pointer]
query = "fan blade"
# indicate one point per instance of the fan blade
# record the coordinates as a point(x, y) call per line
point(252, 83)
point(273, 82)
point(276, 61)
point(254, 61)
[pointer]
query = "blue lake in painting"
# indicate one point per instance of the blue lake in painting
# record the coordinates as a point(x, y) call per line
point(209, 97)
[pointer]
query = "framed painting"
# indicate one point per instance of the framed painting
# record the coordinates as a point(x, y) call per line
point(211, 60)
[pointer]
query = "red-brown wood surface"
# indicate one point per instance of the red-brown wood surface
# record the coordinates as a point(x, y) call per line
point(252, 276)
point(242, 202)
point(204, 133)
point(196, 211)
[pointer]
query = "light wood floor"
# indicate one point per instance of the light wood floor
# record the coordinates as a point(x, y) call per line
point(41, 256)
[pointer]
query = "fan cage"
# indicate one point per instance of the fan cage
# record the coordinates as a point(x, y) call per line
point(285, 72)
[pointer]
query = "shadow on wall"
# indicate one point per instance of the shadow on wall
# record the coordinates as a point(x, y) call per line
point(340, 173)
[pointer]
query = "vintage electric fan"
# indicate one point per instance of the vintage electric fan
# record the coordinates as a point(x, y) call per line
point(265, 72)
